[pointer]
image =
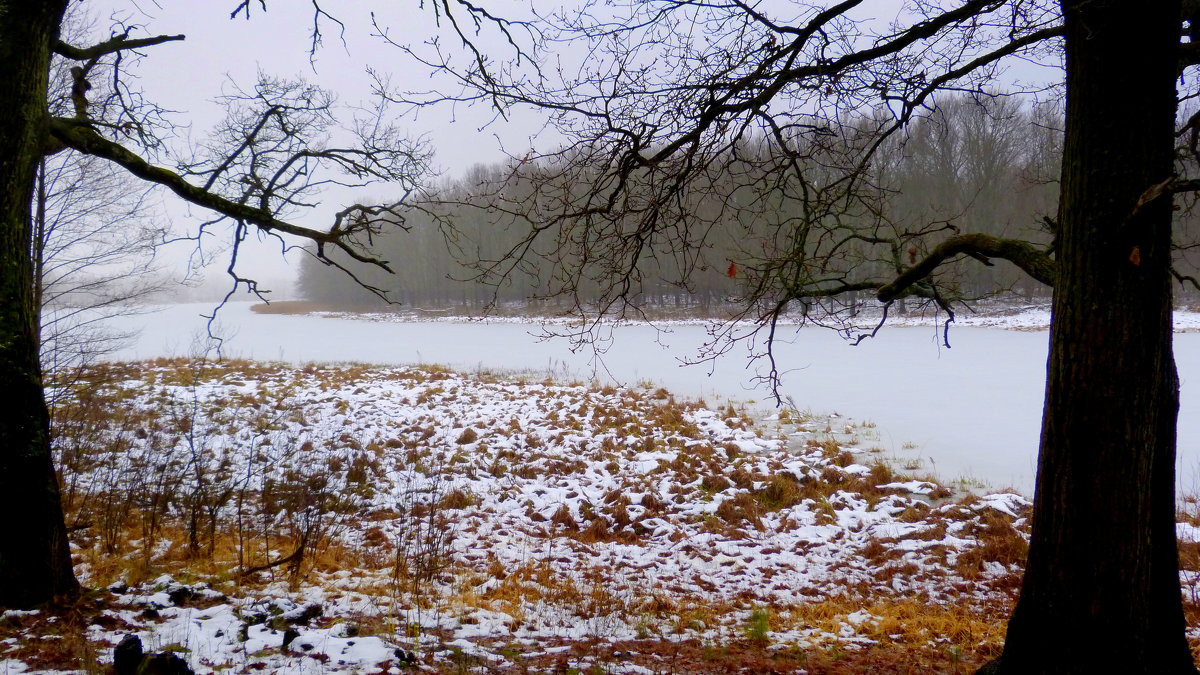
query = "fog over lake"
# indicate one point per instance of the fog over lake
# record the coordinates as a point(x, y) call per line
point(971, 411)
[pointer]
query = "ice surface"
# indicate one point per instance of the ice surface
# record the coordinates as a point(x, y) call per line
point(972, 411)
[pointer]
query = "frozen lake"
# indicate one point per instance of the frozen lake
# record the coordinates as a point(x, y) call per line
point(972, 411)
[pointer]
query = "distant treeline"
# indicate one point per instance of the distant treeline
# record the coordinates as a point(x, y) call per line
point(980, 166)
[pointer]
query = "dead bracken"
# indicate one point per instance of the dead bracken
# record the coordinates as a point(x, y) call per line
point(506, 524)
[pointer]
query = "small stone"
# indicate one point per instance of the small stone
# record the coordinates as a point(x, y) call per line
point(165, 663)
point(180, 595)
point(289, 635)
point(127, 655)
point(303, 615)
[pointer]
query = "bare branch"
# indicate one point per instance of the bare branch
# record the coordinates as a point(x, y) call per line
point(1030, 259)
point(117, 43)
point(243, 8)
point(85, 139)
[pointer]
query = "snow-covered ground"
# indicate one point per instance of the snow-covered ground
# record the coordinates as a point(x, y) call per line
point(970, 412)
point(512, 522)
point(491, 519)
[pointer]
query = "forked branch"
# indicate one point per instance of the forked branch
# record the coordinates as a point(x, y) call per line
point(83, 138)
point(1030, 259)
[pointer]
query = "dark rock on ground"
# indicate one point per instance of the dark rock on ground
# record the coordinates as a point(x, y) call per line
point(127, 655)
point(130, 659)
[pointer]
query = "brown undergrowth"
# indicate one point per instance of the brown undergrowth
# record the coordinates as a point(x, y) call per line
point(679, 539)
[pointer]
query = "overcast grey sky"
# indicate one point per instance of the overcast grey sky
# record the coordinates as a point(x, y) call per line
point(187, 76)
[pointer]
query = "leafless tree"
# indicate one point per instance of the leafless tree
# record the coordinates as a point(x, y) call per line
point(973, 162)
point(94, 240)
point(93, 257)
point(288, 148)
point(660, 104)
point(651, 99)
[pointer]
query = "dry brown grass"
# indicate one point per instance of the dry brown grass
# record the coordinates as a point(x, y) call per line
point(57, 639)
point(307, 307)
point(138, 541)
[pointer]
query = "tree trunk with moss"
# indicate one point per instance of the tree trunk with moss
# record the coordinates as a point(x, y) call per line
point(1101, 590)
point(35, 561)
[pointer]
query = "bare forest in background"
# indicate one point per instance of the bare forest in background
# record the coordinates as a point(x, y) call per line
point(972, 164)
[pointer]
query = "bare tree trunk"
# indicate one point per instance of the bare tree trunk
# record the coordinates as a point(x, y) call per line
point(35, 561)
point(38, 247)
point(1101, 590)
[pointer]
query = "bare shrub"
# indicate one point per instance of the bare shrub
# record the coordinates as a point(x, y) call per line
point(426, 533)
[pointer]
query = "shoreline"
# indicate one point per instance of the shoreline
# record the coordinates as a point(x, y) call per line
point(1033, 316)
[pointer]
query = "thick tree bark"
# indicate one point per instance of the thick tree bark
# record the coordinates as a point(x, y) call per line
point(1101, 590)
point(35, 561)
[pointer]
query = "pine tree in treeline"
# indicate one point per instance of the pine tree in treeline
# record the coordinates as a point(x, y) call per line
point(974, 165)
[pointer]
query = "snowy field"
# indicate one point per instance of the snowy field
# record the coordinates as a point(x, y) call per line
point(525, 516)
point(970, 412)
point(350, 519)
